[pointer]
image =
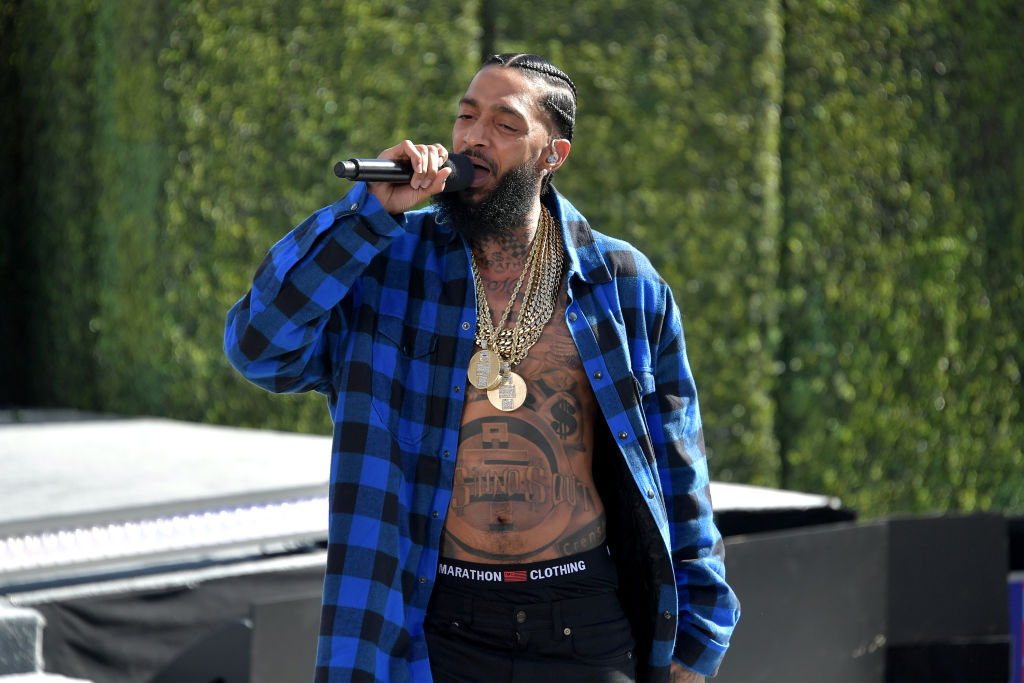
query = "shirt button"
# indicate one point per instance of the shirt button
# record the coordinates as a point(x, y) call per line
point(623, 435)
point(667, 615)
point(457, 388)
point(465, 326)
point(435, 514)
point(598, 375)
point(567, 631)
point(572, 317)
point(447, 454)
point(521, 616)
point(650, 494)
point(423, 579)
point(354, 207)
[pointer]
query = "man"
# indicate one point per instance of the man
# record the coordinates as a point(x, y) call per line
point(518, 482)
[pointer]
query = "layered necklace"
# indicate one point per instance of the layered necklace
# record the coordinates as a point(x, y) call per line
point(502, 347)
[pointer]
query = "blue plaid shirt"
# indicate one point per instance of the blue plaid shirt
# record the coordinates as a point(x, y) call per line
point(379, 313)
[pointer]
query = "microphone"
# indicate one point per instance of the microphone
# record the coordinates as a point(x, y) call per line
point(390, 171)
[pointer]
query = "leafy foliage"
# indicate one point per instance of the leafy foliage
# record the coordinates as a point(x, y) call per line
point(901, 386)
point(266, 95)
point(53, 211)
point(831, 189)
point(669, 159)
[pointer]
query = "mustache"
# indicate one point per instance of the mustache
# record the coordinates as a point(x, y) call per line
point(491, 166)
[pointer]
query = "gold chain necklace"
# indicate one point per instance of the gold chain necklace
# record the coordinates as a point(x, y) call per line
point(502, 348)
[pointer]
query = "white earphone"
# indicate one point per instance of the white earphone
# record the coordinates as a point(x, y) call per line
point(553, 157)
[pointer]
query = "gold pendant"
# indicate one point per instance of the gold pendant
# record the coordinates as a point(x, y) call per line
point(484, 371)
point(510, 394)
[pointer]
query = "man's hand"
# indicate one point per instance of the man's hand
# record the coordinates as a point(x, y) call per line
point(680, 674)
point(427, 179)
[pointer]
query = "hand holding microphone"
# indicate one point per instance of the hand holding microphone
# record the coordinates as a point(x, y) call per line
point(389, 171)
point(406, 174)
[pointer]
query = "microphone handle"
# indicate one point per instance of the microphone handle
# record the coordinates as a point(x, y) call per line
point(374, 170)
point(390, 171)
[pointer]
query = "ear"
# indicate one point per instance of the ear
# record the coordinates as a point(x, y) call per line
point(557, 153)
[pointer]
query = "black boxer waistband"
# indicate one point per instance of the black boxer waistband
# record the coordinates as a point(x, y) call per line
point(488, 591)
point(593, 566)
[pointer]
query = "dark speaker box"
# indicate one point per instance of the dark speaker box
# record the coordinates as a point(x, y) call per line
point(922, 599)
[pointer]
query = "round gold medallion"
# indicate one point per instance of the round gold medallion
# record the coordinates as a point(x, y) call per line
point(510, 394)
point(484, 370)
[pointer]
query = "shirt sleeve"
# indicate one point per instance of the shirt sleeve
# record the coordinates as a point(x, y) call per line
point(279, 335)
point(708, 608)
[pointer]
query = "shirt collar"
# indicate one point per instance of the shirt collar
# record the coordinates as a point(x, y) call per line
point(585, 258)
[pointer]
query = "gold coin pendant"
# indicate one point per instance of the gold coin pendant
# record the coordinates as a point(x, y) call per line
point(510, 394)
point(484, 370)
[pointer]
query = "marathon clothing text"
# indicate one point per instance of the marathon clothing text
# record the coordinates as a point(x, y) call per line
point(445, 568)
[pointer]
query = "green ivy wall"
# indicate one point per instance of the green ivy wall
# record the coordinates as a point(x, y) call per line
point(833, 189)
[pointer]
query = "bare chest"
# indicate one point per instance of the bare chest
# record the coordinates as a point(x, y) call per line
point(523, 488)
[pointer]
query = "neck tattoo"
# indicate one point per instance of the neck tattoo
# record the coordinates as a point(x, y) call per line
point(503, 347)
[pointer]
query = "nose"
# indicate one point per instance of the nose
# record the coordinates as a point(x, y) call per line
point(475, 134)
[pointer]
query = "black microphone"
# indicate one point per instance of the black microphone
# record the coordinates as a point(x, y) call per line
point(390, 171)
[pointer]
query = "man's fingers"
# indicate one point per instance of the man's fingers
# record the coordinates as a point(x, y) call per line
point(427, 177)
point(440, 180)
point(432, 157)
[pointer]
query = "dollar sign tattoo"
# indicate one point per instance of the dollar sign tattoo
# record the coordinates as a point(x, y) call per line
point(564, 423)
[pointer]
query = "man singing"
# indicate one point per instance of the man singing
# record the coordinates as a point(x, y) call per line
point(518, 488)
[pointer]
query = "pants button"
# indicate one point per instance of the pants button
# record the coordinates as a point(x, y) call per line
point(521, 616)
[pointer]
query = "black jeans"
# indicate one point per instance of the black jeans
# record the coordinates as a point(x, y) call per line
point(489, 633)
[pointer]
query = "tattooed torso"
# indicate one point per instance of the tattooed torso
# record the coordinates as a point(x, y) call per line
point(523, 488)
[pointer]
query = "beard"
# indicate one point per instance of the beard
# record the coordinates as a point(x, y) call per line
point(499, 212)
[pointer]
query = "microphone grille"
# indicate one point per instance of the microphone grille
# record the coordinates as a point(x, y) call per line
point(462, 173)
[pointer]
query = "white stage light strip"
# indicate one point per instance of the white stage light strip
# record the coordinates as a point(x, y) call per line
point(120, 541)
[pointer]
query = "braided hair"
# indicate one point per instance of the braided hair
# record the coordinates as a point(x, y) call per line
point(560, 98)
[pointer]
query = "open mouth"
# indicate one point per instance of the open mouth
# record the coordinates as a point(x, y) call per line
point(482, 170)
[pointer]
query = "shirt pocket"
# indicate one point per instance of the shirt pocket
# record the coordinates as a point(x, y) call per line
point(403, 372)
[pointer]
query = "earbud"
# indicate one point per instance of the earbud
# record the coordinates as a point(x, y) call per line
point(553, 157)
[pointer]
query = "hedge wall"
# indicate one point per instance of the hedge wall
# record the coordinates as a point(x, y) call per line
point(902, 250)
point(676, 151)
point(266, 96)
point(831, 188)
point(50, 221)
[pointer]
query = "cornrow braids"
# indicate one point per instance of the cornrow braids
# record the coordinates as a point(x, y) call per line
point(560, 100)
